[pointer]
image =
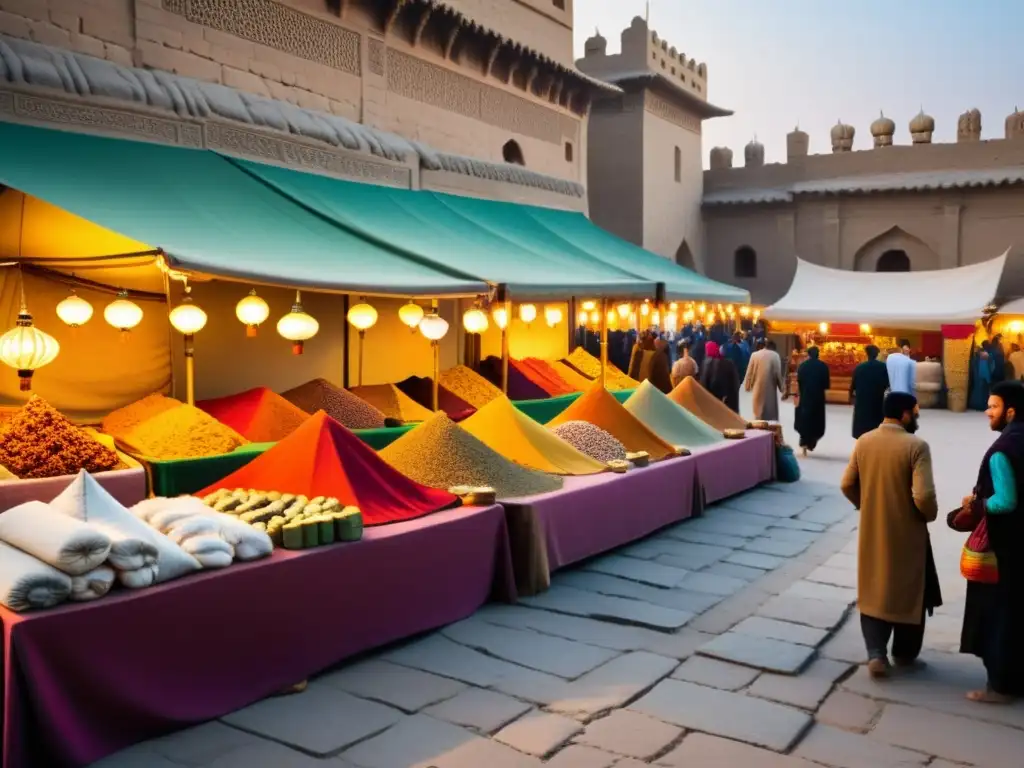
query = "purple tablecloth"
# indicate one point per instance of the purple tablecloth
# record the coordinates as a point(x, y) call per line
point(83, 681)
point(735, 466)
point(594, 514)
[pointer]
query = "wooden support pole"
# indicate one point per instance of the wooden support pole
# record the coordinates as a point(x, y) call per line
point(604, 342)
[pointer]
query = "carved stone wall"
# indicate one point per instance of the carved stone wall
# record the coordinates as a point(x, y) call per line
point(276, 26)
point(666, 110)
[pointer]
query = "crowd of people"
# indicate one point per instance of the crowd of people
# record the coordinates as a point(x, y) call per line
point(990, 365)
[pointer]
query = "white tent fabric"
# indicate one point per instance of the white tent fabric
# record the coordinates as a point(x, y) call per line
point(911, 300)
point(1015, 307)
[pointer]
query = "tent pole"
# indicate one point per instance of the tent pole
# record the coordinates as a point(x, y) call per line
point(190, 371)
point(345, 344)
point(604, 340)
point(436, 349)
point(504, 338)
point(572, 324)
point(362, 338)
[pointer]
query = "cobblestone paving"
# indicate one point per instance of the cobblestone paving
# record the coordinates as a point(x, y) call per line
point(729, 640)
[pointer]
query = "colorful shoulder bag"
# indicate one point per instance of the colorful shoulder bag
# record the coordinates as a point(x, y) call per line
point(977, 560)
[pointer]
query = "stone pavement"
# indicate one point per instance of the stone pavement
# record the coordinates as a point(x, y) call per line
point(724, 641)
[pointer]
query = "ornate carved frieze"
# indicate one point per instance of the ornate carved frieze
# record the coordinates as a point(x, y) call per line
point(276, 26)
point(335, 162)
point(428, 83)
point(666, 110)
point(375, 54)
point(98, 119)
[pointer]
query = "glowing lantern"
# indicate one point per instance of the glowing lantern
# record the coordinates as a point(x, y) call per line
point(589, 305)
point(595, 317)
point(673, 307)
point(613, 319)
point(745, 311)
point(865, 328)
point(553, 316)
point(434, 327)
point(500, 317)
point(362, 317)
point(474, 321)
point(187, 318)
point(297, 326)
point(122, 313)
point(411, 314)
point(656, 318)
point(1015, 326)
point(74, 310)
point(26, 348)
point(823, 327)
point(623, 310)
point(645, 309)
point(582, 317)
point(711, 319)
point(527, 313)
point(702, 309)
point(252, 311)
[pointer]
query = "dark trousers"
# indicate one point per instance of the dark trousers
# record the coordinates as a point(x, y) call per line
point(907, 639)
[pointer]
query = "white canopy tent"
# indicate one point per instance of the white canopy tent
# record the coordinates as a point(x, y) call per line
point(910, 300)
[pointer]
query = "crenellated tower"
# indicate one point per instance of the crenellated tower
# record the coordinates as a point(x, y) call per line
point(645, 171)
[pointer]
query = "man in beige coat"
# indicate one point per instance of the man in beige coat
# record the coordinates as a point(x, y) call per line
point(889, 479)
point(764, 379)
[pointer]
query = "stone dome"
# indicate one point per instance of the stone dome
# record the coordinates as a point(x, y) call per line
point(882, 129)
point(597, 44)
point(1015, 124)
point(721, 158)
point(842, 137)
point(753, 154)
point(798, 143)
point(922, 123)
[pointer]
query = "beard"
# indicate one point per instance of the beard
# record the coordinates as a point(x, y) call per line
point(912, 425)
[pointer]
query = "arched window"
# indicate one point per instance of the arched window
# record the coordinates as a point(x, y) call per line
point(513, 153)
point(893, 261)
point(679, 165)
point(745, 262)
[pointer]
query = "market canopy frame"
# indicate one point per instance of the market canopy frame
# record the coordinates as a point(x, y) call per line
point(911, 300)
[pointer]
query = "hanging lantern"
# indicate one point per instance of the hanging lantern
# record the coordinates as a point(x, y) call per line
point(688, 316)
point(252, 311)
point(645, 309)
point(527, 313)
point(595, 318)
point(745, 311)
point(582, 317)
point(122, 313)
point(297, 326)
point(613, 319)
point(474, 321)
point(362, 317)
point(589, 305)
point(656, 318)
point(702, 309)
point(411, 314)
point(823, 327)
point(74, 310)
point(552, 316)
point(187, 318)
point(26, 348)
point(500, 317)
point(624, 310)
point(673, 307)
point(434, 327)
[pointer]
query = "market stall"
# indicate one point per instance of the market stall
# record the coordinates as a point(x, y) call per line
point(842, 310)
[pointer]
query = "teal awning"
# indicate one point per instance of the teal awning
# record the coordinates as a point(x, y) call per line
point(681, 284)
point(210, 216)
point(509, 248)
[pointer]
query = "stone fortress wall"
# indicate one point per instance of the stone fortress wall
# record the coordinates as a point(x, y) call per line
point(444, 74)
point(887, 207)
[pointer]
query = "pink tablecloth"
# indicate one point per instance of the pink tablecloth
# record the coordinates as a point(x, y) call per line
point(735, 466)
point(126, 485)
point(594, 514)
point(83, 681)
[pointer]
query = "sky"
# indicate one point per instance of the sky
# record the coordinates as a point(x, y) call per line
point(781, 63)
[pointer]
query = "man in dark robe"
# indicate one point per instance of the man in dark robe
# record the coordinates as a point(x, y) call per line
point(998, 359)
point(994, 612)
point(867, 392)
point(720, 377)
point(812, 381)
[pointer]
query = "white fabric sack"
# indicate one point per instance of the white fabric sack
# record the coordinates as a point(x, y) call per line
point(67, 544)
point(139, 578)
point(146, 508)
point(85, 499)
point(127, 552)
point(210, 550)
point(92, 585)
point(248, 543)
point(27, 583)
point(197, 525)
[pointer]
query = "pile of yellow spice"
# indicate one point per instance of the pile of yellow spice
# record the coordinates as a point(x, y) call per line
point(160, 427)
point(590, 366)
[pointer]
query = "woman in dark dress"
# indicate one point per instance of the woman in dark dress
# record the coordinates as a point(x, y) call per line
point(720, 377)
point(867, 392)
point(812, 381)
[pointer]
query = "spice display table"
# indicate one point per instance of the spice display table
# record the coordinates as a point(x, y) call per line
point(83, 681)
point(595, 514)
point(126, 485)
point(173, 478)
point(735, 466)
